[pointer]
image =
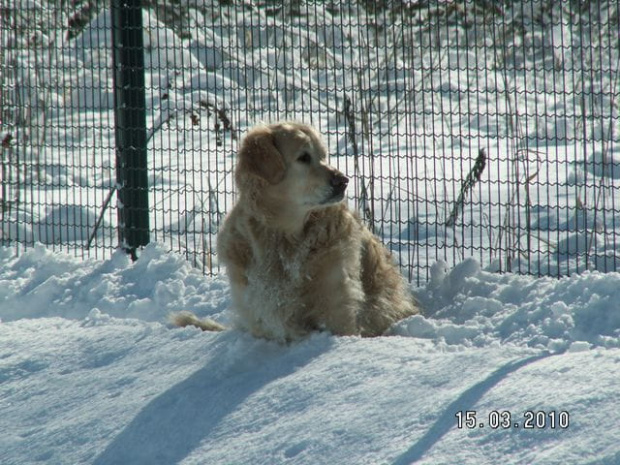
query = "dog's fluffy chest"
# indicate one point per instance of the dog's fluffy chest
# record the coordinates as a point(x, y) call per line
point(279, 260)
point(283, 277)
point(281, 267)
point(273, 296)
point(291, 280)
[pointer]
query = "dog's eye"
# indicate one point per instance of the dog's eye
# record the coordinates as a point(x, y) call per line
point(305, 158)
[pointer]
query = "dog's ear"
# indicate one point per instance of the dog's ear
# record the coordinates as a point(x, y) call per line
point(259, 155)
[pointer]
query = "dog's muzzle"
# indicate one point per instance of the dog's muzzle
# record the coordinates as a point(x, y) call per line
point(339, 183)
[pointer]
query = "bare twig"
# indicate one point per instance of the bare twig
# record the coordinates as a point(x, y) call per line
point(364, 204)
point(472, 178)
point(106, 203)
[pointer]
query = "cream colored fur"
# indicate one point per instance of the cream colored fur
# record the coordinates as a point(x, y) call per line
point(297, 258)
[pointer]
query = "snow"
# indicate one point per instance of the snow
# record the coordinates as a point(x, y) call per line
point(90, 371)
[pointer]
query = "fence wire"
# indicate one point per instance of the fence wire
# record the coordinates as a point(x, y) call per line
point(469, 128)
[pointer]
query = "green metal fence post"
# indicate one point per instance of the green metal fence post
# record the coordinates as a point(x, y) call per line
point(130, 125)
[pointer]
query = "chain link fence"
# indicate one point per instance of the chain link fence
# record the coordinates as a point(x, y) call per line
point(485, 129)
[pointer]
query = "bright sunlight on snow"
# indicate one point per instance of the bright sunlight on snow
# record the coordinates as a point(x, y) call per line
point(501, 369)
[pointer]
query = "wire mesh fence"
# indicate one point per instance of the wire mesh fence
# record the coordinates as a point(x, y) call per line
point(469, 128)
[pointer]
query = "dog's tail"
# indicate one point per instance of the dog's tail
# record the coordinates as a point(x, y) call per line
point(183, 319)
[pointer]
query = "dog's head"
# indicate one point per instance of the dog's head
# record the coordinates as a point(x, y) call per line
point(287, 164)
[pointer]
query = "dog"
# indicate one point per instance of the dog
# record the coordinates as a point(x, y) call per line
point(297, 258)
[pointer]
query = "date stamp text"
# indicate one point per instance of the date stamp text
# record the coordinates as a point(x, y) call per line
point(503, 419)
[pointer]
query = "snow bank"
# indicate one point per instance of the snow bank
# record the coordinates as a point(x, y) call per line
point(90, 372)
point(471, 307)
point(40, 283)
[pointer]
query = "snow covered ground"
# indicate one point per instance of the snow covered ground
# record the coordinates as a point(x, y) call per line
point(90, 372)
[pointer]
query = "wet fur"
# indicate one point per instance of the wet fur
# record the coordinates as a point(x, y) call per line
point(297, 258)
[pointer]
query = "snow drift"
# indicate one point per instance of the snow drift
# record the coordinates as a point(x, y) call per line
point(91, 373)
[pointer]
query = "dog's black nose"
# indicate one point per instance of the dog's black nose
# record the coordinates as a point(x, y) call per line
point(340, 181)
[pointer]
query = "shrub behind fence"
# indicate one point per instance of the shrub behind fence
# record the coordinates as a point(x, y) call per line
point(470, 128)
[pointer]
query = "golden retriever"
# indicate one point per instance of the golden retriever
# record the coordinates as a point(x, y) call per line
point(297, 258)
